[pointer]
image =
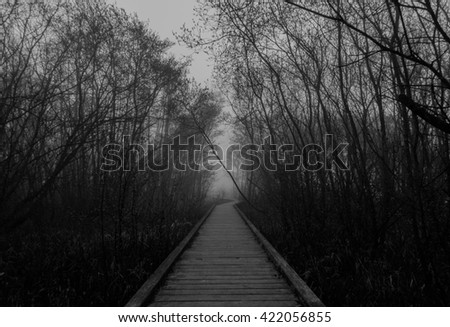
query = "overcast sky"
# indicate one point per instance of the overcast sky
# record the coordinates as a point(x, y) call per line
point(166, 17)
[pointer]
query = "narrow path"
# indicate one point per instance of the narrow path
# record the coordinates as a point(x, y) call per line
point(224, 266)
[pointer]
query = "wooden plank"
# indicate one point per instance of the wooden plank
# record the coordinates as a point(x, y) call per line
point(224, 253)
point(224, 274)
point(231, 291)
point(225, 304)
point(221, 250)
point(305, 293)
point(222, 280)
point(224, 297)
point(225, 259)
point(244, 277)
point(224, 263)
point(209, 268)
point(207, 256)
point(216, 266)
point(143, 294)
point(224, 286)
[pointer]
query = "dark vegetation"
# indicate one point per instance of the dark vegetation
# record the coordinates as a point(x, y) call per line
point(75, 77)
point(375, 75)
point(342, 276)
point(68, 267)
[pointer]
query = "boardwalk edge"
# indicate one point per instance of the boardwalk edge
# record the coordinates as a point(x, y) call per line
point(143, 295)
point(306, 295)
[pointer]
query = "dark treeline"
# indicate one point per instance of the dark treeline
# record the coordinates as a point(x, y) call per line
point(373, 74)
point(75, 77)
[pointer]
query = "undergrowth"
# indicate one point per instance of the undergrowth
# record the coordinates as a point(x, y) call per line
point(66, 267)
point(344, 275)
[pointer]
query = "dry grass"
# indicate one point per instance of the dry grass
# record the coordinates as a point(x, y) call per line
point(342, 275)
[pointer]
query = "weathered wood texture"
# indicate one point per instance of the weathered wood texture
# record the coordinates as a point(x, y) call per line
point(146, 291)
point(225, 266)
point(305, 294)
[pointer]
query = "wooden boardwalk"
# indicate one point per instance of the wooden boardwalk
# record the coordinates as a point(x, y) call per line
point(224, 266)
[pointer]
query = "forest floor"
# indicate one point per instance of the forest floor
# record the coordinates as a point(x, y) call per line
point(69, 267)
point(343, 276)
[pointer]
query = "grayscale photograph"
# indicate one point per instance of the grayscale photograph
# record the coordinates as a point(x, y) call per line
point(208, 153)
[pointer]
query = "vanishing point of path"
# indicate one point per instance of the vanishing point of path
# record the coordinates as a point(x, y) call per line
point(224, 266)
